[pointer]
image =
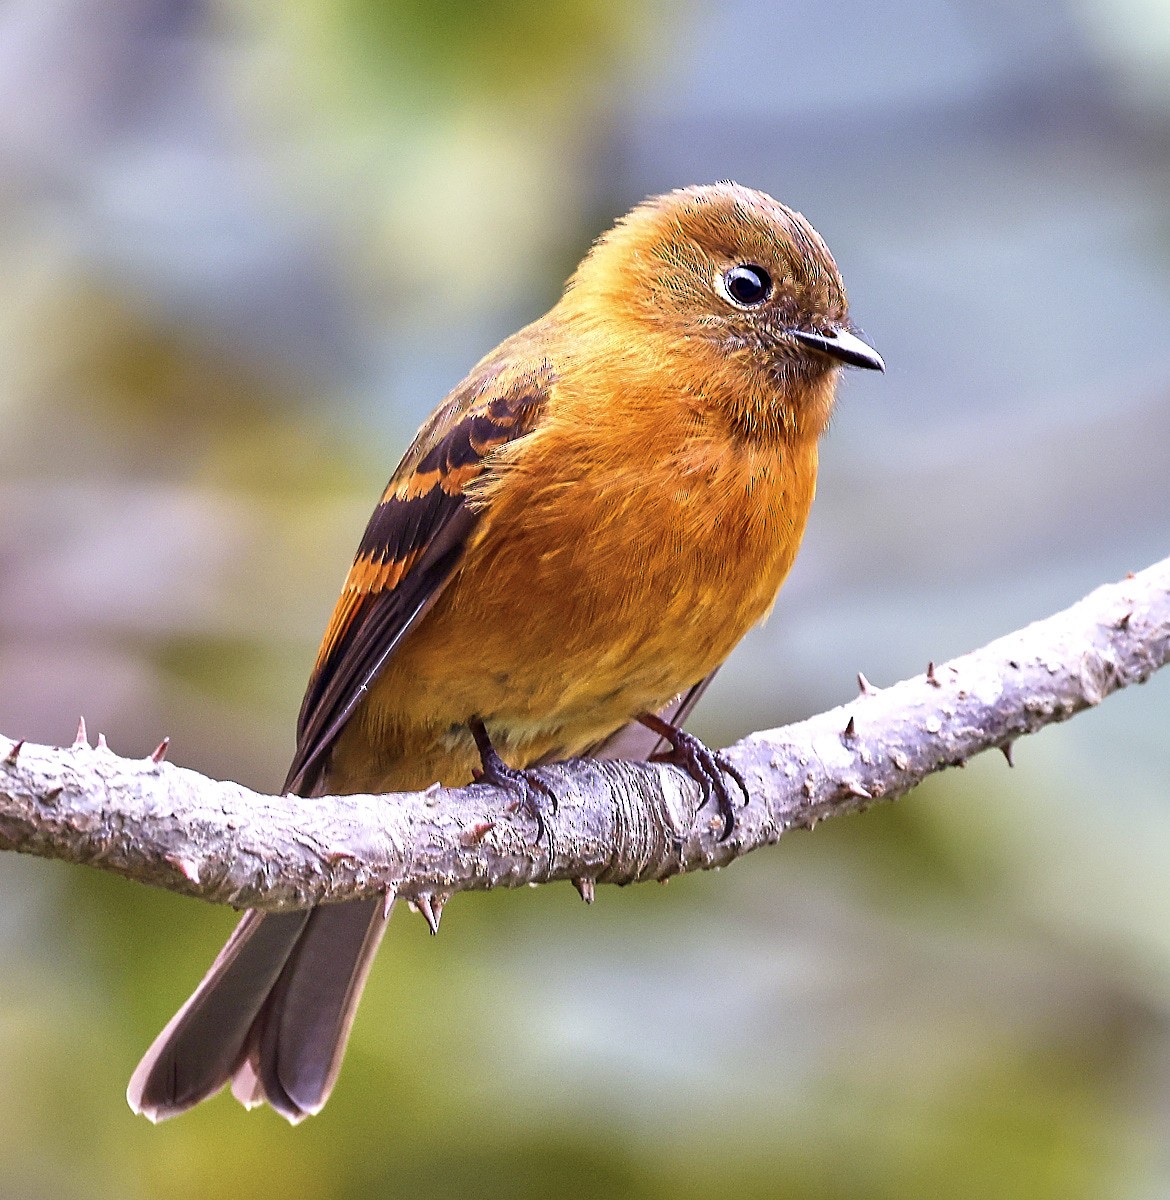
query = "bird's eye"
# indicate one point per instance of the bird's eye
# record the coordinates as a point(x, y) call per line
point(747, 285)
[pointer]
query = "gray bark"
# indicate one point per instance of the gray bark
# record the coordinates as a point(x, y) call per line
point(616, 822)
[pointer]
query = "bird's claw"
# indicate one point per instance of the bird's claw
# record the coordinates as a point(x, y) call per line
point(529, 789)
point(532, 794)
point(710, 770)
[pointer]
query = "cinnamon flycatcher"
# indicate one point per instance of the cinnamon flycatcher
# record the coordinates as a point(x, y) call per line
point(576, 539)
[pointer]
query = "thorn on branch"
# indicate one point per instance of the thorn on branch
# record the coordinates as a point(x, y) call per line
point(931, 676)
point(864, 686)
point(476, 833)
point(388, 898)
point(185, 866)
point(13, 754)
point(102, 744)
point(431, 907)
point(81, 741)
point(585, 889)
point(850, 729)
point(852, 788)
point(1006, 751)
point(160, 751)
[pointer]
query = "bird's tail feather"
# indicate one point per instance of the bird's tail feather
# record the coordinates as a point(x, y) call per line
point(296, 1047)
point(274, 1012)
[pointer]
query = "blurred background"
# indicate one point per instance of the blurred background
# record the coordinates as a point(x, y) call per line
point(244, 248)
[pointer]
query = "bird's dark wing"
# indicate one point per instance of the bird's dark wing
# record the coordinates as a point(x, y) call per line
point(411, 549)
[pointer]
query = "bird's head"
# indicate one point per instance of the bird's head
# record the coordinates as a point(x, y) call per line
point(733, 286)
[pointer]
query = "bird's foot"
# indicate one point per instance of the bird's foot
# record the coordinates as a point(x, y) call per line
point(532, 793)
point(709, 769)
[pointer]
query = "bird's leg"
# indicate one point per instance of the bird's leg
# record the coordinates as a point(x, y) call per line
point(707, 768)
point(530, 787)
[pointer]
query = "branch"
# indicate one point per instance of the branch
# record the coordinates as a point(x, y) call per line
point(616, 822)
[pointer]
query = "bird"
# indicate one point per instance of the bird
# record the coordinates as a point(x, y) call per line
point(576, 539)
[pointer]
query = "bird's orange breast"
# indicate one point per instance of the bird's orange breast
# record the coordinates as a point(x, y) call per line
point(623, 550)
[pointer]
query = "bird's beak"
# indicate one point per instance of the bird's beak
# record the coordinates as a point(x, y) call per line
point(842, 345)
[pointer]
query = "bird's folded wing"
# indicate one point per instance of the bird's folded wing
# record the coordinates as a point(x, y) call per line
point(411, 549)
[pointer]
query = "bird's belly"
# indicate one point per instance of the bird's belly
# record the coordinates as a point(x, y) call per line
point(572, 617)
